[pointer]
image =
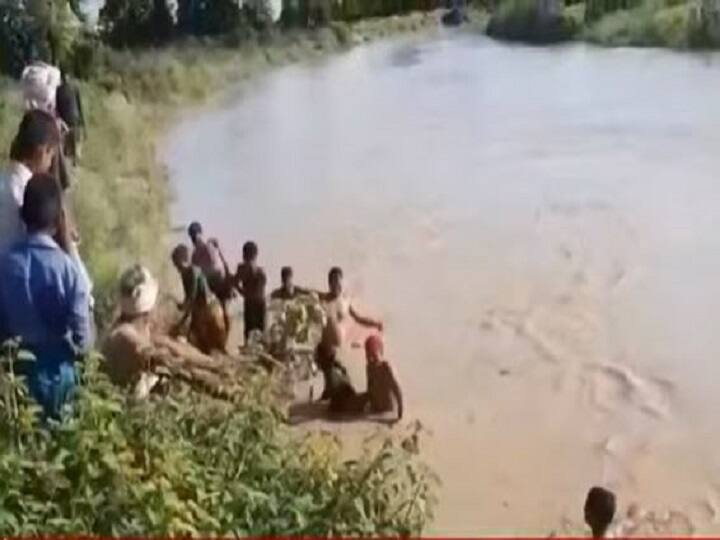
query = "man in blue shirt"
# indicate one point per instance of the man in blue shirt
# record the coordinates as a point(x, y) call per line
point(44, 300)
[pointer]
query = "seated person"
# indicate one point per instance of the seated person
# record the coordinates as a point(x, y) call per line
point(208, 330)
point(339, 391)
point(382, 385)
point(128, 348)
point(288, 290)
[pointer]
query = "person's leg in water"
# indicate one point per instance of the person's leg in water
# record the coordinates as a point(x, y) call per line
point(254, 316)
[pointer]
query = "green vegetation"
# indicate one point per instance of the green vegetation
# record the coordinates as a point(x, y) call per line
point(186, 464)
point(680, 24)
point(183, 463)
point(652, 23)
point(528, 20)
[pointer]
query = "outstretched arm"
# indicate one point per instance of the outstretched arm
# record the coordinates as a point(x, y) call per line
point(365, 321)
point(190, 297)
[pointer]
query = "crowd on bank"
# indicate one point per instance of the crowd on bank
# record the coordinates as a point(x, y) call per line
point(46, 292)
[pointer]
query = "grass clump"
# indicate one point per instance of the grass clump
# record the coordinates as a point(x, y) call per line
point(186, 464)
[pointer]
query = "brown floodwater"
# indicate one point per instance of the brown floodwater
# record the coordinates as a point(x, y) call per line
point(537, 227)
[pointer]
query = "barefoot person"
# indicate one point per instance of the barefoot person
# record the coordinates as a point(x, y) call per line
point(340, 309)
point(208, 256)
point(250, 282)
point(208, 330)
point(599, 511)
point(339, 391)
point(288, 290)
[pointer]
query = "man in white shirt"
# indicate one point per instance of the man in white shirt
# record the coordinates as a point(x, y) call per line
point(32, 152)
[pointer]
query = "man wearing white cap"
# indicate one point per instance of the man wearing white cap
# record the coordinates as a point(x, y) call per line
point(128, 348)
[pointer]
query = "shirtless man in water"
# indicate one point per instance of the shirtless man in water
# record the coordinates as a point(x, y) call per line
point(208, 256)
point(250, 281)
point(339, 308)
point(288, 290)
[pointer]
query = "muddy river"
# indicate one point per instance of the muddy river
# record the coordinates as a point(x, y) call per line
point(538, 229)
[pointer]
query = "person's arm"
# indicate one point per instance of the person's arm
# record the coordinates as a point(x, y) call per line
point(190, 296)
point(396, 391)
point(81, 113)
point(365, 321)
point(79, 321)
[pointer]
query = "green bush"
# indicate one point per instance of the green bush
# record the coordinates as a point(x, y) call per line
point(522, 20)
point(652, 23)
point(187, 464)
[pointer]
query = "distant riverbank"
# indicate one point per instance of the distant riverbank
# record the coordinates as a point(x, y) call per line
point(676, 24)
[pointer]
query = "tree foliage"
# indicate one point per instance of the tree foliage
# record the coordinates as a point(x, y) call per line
point(186, 464)
point(136, 22)
point(17, 39)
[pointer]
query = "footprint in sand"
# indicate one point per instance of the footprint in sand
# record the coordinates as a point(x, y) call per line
point(615, 387)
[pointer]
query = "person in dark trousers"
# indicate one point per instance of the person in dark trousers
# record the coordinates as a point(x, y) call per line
point(250, 281)
point(599, 511)
point(68, 104)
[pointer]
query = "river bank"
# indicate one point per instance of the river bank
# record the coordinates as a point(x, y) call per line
point(121, 197)
point(674, 24)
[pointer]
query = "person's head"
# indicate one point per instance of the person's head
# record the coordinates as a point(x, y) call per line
point(335, 277)
point(138, 292)
point(599, 510)
point(286, 275)
point(39, 82)
point(36, 141)
point(181, 256)
point(195, 232)
point(42, 204)
point(374, 348)
point(250, 252)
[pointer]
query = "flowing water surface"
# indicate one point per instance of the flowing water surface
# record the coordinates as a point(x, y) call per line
point(539, 228)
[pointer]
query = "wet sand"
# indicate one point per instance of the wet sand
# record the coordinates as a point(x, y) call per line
point(538, 230)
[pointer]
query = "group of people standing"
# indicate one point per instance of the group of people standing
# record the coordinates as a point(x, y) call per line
point(45, 290)
point(209, 285)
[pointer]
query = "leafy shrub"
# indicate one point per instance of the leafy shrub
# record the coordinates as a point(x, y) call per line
point(527, 20)
point(186, 464)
